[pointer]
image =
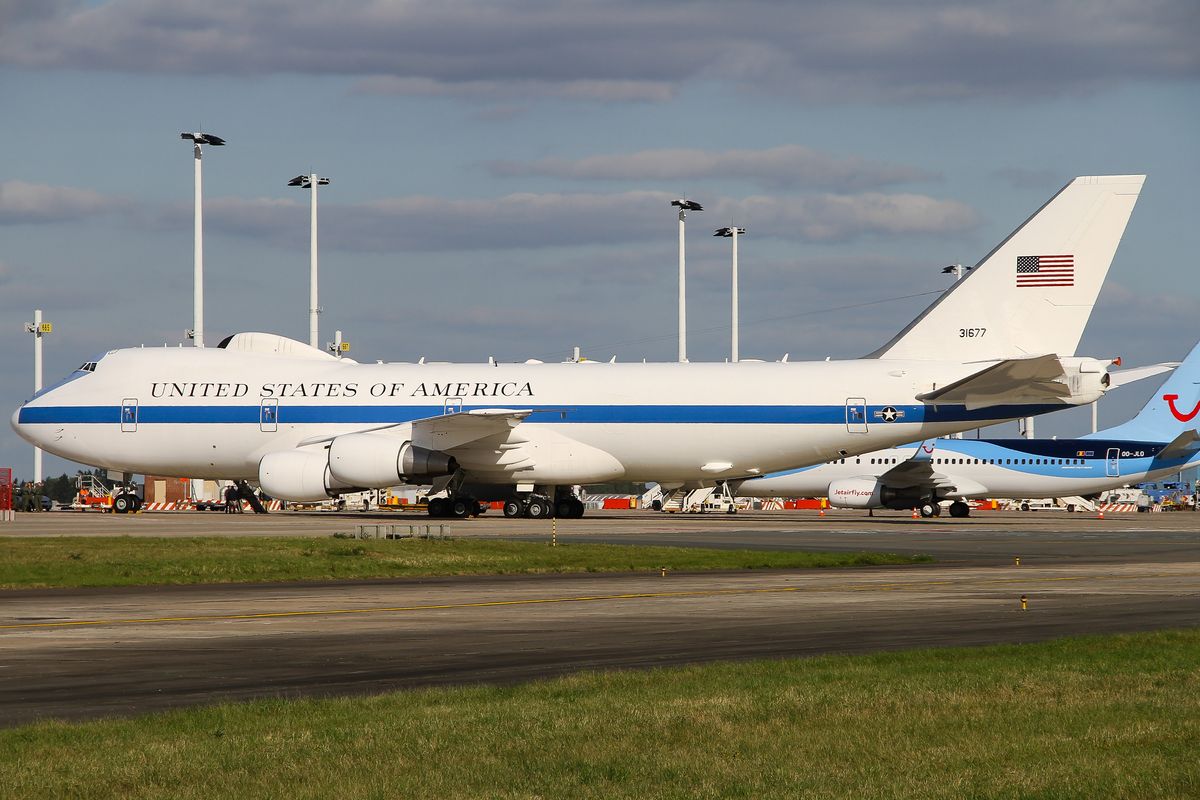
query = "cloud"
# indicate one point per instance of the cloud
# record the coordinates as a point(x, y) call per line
point(1025, 178)
point(533, 221)
point(784, 166)
point(523, 220)
point(608, 91)
point(838, 217)
point(22, 202)
point(623, 50)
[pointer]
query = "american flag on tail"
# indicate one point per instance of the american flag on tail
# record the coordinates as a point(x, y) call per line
point(1045, 271)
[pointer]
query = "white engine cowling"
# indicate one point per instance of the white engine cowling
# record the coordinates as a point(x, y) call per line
point(377, 460)
point(855, 493)
point(868, 492)
point(1087, 378)
point(301, 476)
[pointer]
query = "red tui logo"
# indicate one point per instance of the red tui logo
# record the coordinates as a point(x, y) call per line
point(1171, 398)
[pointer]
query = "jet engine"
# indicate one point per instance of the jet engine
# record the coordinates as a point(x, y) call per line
point(1087, 378)
point(871, 493)
point(353, 461)
point(298, 475)
point(377, 460)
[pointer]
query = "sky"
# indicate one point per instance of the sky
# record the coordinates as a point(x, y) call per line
point(501, 172)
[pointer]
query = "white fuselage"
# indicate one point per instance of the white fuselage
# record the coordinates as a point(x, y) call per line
point(214, 413)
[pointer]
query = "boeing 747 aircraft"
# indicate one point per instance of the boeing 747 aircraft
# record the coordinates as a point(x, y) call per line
point(997, 346)
point(1161, 440)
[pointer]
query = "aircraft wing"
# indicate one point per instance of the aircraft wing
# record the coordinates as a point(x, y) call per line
point(1185, 443)
point(1009, 382)
point(916, 471)
point(448, 431)
point(444, 431)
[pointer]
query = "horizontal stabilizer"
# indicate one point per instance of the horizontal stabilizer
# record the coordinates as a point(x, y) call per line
point(1184, 444)
point(1133, 374)
point(1012, 381)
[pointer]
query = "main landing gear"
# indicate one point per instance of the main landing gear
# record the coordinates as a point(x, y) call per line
point(932, 508)
point(540, 507)
point(126, 503)
point(457, 507)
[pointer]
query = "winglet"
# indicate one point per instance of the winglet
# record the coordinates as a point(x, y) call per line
point(925, 450)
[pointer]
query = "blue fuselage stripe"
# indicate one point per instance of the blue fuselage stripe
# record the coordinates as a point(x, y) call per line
point(640, 414)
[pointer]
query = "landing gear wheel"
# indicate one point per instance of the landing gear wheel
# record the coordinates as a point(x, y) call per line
point(577, 508)
point(437, 507)
point(960, 509)
point(513, 508)
point(656, 505)
point(927, 510)
point(563, 509)
point(122, 504)
point(461, 507)
point(537, 508)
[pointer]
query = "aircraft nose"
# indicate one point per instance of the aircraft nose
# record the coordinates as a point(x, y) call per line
point(24, 428)
point(16, 422)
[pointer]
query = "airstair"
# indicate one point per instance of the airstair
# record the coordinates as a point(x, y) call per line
point(247, 494)
point(1077, 503)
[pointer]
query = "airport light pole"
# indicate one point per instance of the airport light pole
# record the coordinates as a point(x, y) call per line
point(199, 139)
point(684, 207)
point(39, 329)
point(733, 233)
point(958, 271)
point(312, 181)
point(339, 346)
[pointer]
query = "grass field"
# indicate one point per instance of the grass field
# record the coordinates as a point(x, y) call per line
point(1096, 717)
point(123, 561)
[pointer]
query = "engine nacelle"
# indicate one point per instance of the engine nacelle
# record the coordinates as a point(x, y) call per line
point(870, 493)
point(1087, 378)
point(374, 460)
point(301, 476)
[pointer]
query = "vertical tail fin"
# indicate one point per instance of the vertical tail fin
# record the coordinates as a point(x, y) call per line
point(1033, 294)
point(1173, 409)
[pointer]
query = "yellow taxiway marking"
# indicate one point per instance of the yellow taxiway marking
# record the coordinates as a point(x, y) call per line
point(855, 587)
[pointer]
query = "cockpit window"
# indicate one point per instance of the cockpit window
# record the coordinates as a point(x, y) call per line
point(88, 366)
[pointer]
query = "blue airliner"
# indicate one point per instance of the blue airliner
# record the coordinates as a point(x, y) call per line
point(1160, 440)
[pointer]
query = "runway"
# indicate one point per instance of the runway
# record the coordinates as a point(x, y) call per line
point(83, 653)
point(987, 538)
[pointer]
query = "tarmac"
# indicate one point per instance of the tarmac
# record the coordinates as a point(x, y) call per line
point(83, 653)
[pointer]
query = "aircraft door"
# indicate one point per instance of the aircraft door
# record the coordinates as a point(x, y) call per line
point(268, 415)
point(129, 415)
point(856, 415)
point(452, 405)
point(1112, 464)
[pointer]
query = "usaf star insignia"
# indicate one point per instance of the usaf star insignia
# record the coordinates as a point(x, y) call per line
point(889, 414)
